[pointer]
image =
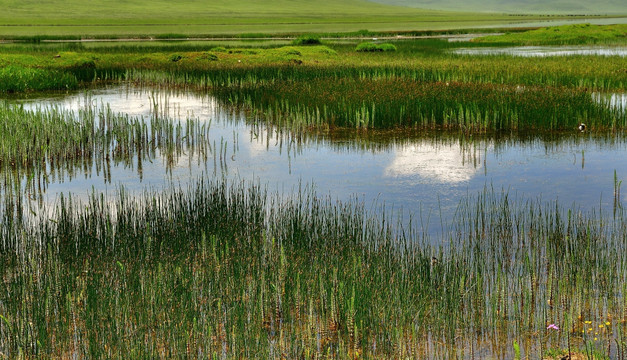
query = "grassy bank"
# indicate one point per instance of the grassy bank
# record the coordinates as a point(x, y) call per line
point(248, 36)
point(419, 85)
point(520, 7)
point(231, 272)
point(214, 65)
point(187, 12)
point(388, 103)
point(563, 35)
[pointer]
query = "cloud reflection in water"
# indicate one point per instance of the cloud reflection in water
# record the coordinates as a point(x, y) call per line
point(441, 163)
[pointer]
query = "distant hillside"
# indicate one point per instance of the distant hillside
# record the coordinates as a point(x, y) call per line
point(126, 18)
point(519, 6)
point(194, 11)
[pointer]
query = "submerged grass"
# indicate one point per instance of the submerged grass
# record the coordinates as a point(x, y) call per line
point(49, 142)
point(228, 271)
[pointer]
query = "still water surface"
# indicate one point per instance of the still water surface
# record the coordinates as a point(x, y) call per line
point(544, 51)
point(422, 174)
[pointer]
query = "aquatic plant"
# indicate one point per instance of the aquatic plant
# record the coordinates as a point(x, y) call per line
point(405, 103)
point(23, 79)
point(373, 47)
point(420, 60)
point(50, 142)
point(307, 40)
point(228, 270)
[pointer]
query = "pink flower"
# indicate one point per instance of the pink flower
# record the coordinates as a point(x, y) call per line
point(552, 326)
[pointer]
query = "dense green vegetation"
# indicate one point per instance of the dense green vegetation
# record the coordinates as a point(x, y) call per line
point(424, 60)
point(419, 85)
point(22, 79)
point(563, 35)
point(307, 40)
point(406, 103)
point(211, 271)
point(372, 47)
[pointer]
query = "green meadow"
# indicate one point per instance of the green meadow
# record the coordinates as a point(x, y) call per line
point(564, 35)
point(198, 18)
point(518, 7)
point(358, 84)
point(221, 270)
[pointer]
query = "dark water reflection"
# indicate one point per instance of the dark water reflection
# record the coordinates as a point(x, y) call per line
point(424, 174)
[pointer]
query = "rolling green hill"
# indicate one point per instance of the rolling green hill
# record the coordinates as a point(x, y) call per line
point(190, 11)
point(196, 17)
point(617, 7)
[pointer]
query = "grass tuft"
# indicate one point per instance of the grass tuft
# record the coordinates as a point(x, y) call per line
point(372, 47)
point(307, 40)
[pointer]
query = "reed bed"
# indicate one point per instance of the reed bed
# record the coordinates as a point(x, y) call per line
point(221, 270)
point(50, 143)
point(24, 79)
point(401, 103)
point(316, 86)
point(412, 62)
point(421, 60)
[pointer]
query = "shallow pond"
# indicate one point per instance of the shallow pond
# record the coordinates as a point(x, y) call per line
point(424, 174)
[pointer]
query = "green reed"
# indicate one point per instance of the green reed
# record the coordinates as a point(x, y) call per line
point(22, 79)
point(416, 63)
point(228, 271)
point(422, 60)
point(402, 103)
point(51, 142)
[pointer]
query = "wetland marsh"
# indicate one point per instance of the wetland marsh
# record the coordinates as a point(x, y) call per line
point(426, 172)
point(286, 201)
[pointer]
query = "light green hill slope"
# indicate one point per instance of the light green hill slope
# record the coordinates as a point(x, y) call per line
point(192, 17)
point(193, 11)
point(519, 6)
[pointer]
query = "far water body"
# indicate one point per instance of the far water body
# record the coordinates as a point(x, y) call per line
point(545, 51)
point(422, 175)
